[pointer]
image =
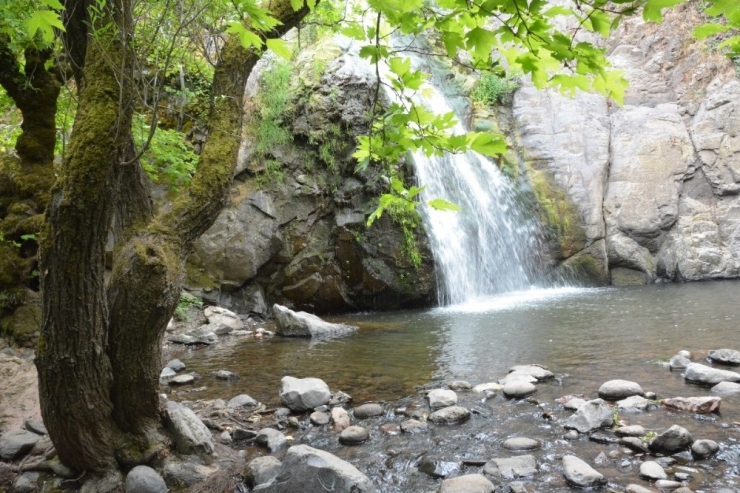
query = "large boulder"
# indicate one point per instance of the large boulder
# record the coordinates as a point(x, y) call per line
point(302, 324)
point(302, 394)
point(707, 375)
point(591, 416)
point(310, 470)
point(17, 443)
point(191, 435)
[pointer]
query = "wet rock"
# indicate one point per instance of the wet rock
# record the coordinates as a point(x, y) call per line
point(36, 426)
point(166, 375)
point(274, 440)
point(574, 403)
point(630, 431)
point(302, 324)
point(523, 466)
point(636, 488)
point(439, 468)
point(518, 487)
point(652, 470)
point(242, 434)
point(667, 484)
point(487, 387)
point(225, 437)
point(634, 443)
point(703, 449)
point(571, 435)
point(261, 470)
point(354, 435)
point(17, 443)
point(517, 376)
point(603, 438)
point(339, 399)
point(282, 413)
point(725, 356)
point(390, 428)
point(634, 404)
point(190, 434)
point(579, 473)
point(699, 405)
point(309, 470)
point(302, 394)
point(439, 398)
point(340, 418)
point(450, 415)
point(459, 385)
point(241, 400)
point(319, 419)
point(369, 410)
point(673, 440)
point(217, 315)
point(469, 483)
point(707, 375)
point(590, 416)
point(413, 426)
point(176, 365)
point(202, 335)
point(521, 443)
point(536, 371)
point(615, 390)
point(182, 380)
point(143, 479)
point(679, 362)
point(518, 389)
point(27, 483)
point(727, 388)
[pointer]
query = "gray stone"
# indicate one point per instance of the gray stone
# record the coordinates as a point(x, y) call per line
point(340, 418)
point(518, 376)
point(590, 416)
point(182, 380)
point(630, 431)
point(679, 362)
point(166, 375)
point(225, 437)
point(261, 470)
point(521, 443)
point(241, 400)
point(699, 405)
point(319, 418)
point(487, 387)
point(176, 365)
point(707, 375)
point(339, 399)
point(217, 316)
point(571, 435)
point(536, 371)
point(523, 466)
point(652, 470)
point(634, 443)
point(35, 425)
point(183, 474)
point(191, 435)
point(579, 473)
point(615, 390)
point(636, 488)
point(634, 403)
point(727, 388)
point(703, 449)
point(439, 398)
point(439, 468)
point(413, 426)
point(144, 479)
point(302, 394)
point(225, 375)
point(450, 415)
point(17, 443)
point(369, 410)
point(27, 483)
point(674, 439)
point(459, 385)
point(354, 435)
point(310, 470)
point(517, 389)
point(574, 403)
point(274, 440)
point(667, 484)
point(302, 324)
point(242, 434)
point(469, 483)
point(725, 356)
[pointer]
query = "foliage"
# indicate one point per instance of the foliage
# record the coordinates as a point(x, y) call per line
point(187, 301)
point(10, 123)
point(726, 22)
point(491, 89)
point(169, 158)
point(409, 221)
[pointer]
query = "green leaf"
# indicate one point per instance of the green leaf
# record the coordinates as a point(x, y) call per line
point(279, 47)
point(354, 31)
point(706, 30)
point(44, 22)
point(487, 144)
point(653, 9)
point(443, 205)
point(246, 37)
point(53, 4)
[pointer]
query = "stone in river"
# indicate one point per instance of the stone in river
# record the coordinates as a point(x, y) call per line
point(725, 356)
point(574, 403)
point(727, 388)
point(182, 380)
point(261, 470)
point(319, 419)
point(369, 410)
point(413, 426)
point(450, 415)
point(517, 389)
point(458, 385)
point(674, 439)
point(488, 386)
point(634, 404)
point(636, 488)
point(523, 466)
point(439, 398)
point(176, 365)
point(536, 371)
point(302, 324)
point(35, 425)
point(591, 416)
point(517, 376)
point(225, 375)
point(630, 431)
point(652, 470)
point(699, 405)
point(667, 484)
point(578, 473)
point(679, 362)
point(439, 468)
point(634, 443)
point(615, 390)
point(469, 483)
point(703, 449)
point(191, 435)
point(354, 435)
point(166, 375)
point(521, 443)
point(302, 394)
point(272, 439)
point(340, 417)
point(709, 376)
point(241, 400)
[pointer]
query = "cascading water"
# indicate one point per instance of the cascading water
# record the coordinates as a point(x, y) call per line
point(494, 245)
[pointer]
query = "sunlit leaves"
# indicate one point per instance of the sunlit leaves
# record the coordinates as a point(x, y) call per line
point(43, 22)
point(279, 47)
point(653, 9)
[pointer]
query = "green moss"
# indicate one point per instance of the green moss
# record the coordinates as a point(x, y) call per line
point(409, 222)
point(23, 325)
point(197, 278)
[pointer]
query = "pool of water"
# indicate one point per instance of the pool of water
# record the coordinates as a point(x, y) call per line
point(585, 336)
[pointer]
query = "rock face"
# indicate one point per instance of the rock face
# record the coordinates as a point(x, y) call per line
point(302, 394)
point(309, 470)
point(302, 324)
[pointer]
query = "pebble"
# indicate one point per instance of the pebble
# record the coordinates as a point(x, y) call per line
point(516, 389)
point(652, 470)
point(182, 380)
point(413, 426)
point(340, 417)
point(370, 410)
point(521, 443)
point(458, 385)
point(354, 435)
point(319, 418)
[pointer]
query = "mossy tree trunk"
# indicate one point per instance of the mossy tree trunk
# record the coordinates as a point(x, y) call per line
point(100, 351)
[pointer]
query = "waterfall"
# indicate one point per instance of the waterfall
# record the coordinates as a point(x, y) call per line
point(494, 245)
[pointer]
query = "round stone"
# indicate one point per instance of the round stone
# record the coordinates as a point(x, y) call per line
point(390, 428)
point(521, 443)
point(182, 380)
point(652, 470)
point(319, 419)
point(413, 426)
point(143, 479)
point(517, 389)
point(615, 390)
point(354, 435)
point(458, 385)
point(703, 449)
point(368, 411)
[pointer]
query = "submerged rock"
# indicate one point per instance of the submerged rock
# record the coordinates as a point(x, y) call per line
point(302, 394)
point(469, 483)
point(579, 473)
point(707, 375)
point(450, 415)
point(521, 443)
point(674, 439)
point(537, 371)
point(590, 416)
point(700, 405)
point(302, 324)
point(725, 356)
point(615, 390)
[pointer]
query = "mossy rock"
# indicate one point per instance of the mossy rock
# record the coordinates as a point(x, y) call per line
point(23, 325)
point(622, 276)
